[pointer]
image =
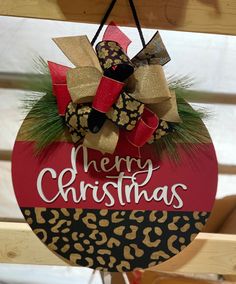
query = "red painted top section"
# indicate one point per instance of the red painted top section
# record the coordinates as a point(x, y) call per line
point(66, 177)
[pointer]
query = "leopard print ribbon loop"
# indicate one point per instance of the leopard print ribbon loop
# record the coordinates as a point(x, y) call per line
point(125, 113)
point(163, 129)
point(114, 61)
point(76, 119)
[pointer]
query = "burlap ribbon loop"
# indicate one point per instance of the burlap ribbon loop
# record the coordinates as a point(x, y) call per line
point(148, 84)
point(82, 83)
point(76, 118)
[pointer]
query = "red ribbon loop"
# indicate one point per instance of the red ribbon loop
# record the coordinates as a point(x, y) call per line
point(107, 94)
point(144, 128)
point(59, 85)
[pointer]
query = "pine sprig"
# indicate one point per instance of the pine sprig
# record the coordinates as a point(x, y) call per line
point(44, 125)
point(189, 133)
point(180, 82)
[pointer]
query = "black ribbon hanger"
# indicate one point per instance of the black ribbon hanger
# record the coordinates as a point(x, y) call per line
point(96, 118)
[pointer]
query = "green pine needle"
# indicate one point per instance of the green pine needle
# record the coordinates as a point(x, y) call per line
point(189, 133)
point(180, 82)
point(44, 125)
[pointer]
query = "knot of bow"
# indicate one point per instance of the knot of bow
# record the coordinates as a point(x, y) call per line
point(108, 95)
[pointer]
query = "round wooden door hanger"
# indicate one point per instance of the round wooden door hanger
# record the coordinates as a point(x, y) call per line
point(112, 211)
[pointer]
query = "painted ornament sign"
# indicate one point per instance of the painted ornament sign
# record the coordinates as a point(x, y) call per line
point(113, 212)
point(119, 204)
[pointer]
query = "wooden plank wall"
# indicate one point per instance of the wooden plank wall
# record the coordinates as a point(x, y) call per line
point(208, 253)
point(208, 16)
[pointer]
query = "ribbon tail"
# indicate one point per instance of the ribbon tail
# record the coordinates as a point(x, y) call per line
point(125, 148)
point(113, 33)
point(78, 50)
point(153, 53)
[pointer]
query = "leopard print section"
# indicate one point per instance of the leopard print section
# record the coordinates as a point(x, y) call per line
point(114, 240)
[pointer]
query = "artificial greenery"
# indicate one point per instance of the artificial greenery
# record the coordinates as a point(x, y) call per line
point(44, 125)
point(188, 133)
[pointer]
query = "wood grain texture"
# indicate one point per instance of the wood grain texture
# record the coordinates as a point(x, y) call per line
point(153, 277)
point(209, 253)
point(208, 16)
point(19, 245)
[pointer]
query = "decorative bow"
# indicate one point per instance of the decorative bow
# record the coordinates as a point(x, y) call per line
point(127, 95)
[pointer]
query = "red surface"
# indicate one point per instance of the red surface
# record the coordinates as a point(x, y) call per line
point(197, 172)
point(144, 128)
point(107, 94)
point(113, 33)
point(59, 84)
